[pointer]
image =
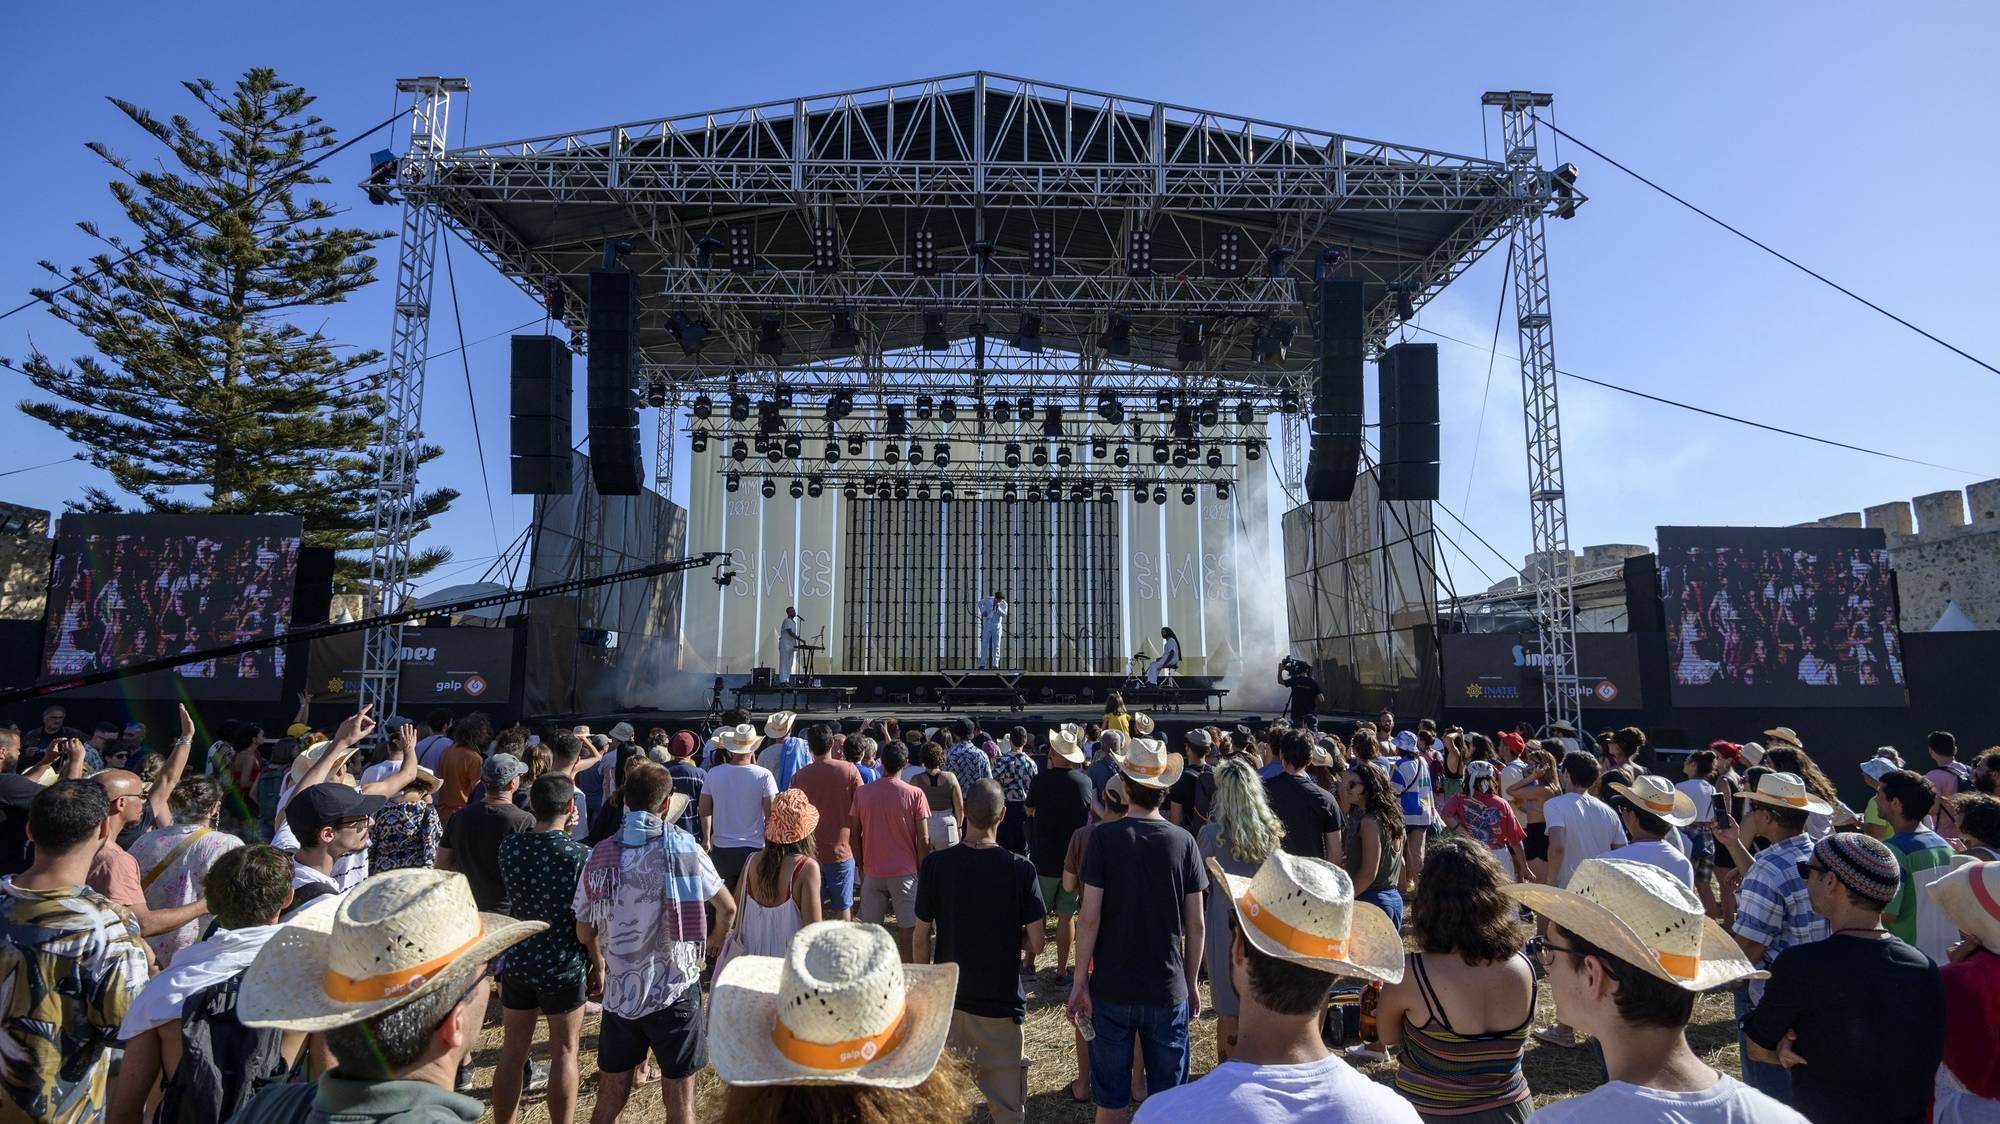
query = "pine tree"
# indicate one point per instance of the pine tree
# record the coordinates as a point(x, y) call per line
point(204, 393)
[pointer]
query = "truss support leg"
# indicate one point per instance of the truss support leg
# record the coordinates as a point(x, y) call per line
point(1548, 510)
point(400, 433)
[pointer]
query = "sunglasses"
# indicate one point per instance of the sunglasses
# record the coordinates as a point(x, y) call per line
point(1809, 868)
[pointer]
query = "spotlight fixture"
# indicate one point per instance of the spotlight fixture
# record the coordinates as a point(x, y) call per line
point(1214, 458)
point(1040, 456)
point(798, 489)
point(1278, 259)
point(849, 492)
point(826, 248)
point(1222, 489)
point(1563, 181)
point(1406, 307)
point(832, 454)
point(704, 251)
point(774, 452)
point(892, 453)
point(1329, 257)
point(1064, 457)
point(945, 494)
point(1246, 414)
point(1123, 456)
point(854, 446)
point(1228, 259)
point(698, 441)
point(1164, 404)
point(916, 452)
point(704, 407)
point(982, 256)
point(941, 454)
point(948, 411)
point(1052, 420)
point(902, 490)
point(1098, 448)
point(1139, 494)
point(923, 253)
point(742, 257)
point(815, 487)
point(839, 405)
point(1109, 408)
point(769, 488)
point(656, 396)
point(1288, 401)
point(841, 334)
point(924, 407)
point(1034, 493)
point(1106, 495)
point(1187, 495)
point(1211, 411)
point(1009, 493)
point(739, 407)
point(793, 446)
point(1025, 406)
point(1139, 252)
point(739, 452)
point(732, 482)
point(1253, 450)
point(1272, 339)
point(1180, 459)
point(1117, 338)
point(1003, 411)
point(768, 420)
point(923, 490)
point(1161, 452)
point(1012, 456)
point(872, 487)
point(1042, 253)
point(770, 335)
point(688, 331)
point(381, 173)
point(1160, 494)
point(934, 337)
point(1028, 332)
point(1190, 348)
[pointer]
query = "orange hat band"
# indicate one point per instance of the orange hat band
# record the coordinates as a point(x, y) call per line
point(1665, 808)
point(1143, 770)
point(851, 1054)
point(1294, 939)
point(368, 989)
point(1678, 966)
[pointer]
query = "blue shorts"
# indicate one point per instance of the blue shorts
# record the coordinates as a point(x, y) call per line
point(1163, 1046)
point(836, 884)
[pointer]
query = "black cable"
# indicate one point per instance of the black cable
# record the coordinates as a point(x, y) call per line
point(1726, 417)
point(148, 247)
point(471, 405)
point(1492, 360)
point(1807, 270)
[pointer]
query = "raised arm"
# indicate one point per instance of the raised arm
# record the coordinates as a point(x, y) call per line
point(406, 744)
point(170, 776)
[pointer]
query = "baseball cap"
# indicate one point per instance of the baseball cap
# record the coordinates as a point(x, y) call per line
point(501, 768)
point(324, 805)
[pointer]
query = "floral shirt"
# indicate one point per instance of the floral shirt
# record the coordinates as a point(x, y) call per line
point(178, 882)
point(406, 834)
point(540, 870)
point(70, 963)
point(1015, 771)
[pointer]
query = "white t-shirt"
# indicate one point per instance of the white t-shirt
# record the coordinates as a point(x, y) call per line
point(381, 771)
point(1728, 1101)
point(1703, 795)
point(348, 870)
point(1659, 853)
point(1328, 1091)
point(738, 792)
point(1589, 827)
point(303, 876)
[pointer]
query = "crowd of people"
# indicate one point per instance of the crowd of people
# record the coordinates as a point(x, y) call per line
point(1756, 617)
point(837, 921)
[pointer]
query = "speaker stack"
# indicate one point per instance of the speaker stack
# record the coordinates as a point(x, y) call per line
point(1335, 453)
point(613, 401)
point(539, 388)
point(1408, 396)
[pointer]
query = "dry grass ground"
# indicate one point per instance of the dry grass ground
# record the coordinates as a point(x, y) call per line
point(1553, 1073)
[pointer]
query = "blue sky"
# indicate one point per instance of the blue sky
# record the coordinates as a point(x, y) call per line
point(1858, 141)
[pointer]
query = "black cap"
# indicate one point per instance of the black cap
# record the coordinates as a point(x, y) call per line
point(324, 805)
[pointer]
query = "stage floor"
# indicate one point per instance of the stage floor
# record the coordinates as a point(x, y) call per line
point(1037, 719)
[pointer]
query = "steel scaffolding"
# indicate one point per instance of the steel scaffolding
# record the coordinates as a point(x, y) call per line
point(399, 436)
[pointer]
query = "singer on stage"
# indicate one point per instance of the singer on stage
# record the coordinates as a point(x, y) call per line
point(1170, 656)
point(992, 627)
point(788, 644)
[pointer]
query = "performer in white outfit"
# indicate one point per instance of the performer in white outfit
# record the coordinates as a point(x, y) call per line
point(1170, 655)
point(788, 644)
point(992, 626)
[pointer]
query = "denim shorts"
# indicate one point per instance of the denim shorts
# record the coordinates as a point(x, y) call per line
point(1163, 1046)
point(836, 884)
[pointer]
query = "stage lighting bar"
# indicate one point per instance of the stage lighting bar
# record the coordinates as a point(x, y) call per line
point(1139, 253)
point(1228, 258)
point(742, 252)
point(826, 248)
point(923, 253)
point(1042, 253)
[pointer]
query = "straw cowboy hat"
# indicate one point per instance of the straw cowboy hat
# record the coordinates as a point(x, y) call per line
point(1063, 746)
point(1148, 763)
point(397, 936)
point(1303, 910)
point(779, 724)
point(1970, 898)
point(839, 1008)
point(426, 778)
point(1655, 795)
point(676, 807)
point(307, 758)
point(1645, 917)
point(739, 739)
point(1142, 724)
point(1786, 790)
point(1785, 735)
point(1561, 726)
point(1321, 756)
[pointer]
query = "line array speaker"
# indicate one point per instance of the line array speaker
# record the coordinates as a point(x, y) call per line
point(539, 443)
point(612, 400)
point(1408, 395)
point(1335, 452)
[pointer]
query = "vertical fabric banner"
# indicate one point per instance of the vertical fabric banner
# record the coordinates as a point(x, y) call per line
point(1145, 575)
point(777, 575)
point(742, 537)
point(701, 621)
point(819, 576)
point(1181, 575)
point(1221, 642)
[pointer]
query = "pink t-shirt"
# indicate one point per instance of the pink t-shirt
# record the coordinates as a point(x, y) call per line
point(892, 814)
point(115, 874)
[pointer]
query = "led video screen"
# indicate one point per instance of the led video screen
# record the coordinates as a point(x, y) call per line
point(1780, 616)
point(128, 588)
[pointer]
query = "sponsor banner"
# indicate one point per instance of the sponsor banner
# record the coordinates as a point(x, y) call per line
point(440, 665)
point(1504, 669)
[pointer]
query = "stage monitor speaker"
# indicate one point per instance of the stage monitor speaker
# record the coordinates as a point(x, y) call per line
point(1341, 346)
point(615, 463)
point(1407, 392)
point(539, 431)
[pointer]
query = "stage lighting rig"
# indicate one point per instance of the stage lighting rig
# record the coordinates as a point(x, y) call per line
point(1253, 450)
point(1406, 308)
point(723, 574)
point(1106, 495)
point(1288, 401)
point(1098, 448)
point(916, 452)
point(1012, 455)
point(854, 445)
point(892, 453)
point(1034, 493)
point(923, 253)
point(1139, 253)
point(826, 248)
point(948, 410)
point(771, 335)
point(815, 487)
point(739, 452)
point(742, 257)
point(732, 482)
point(850, 492)
point(1563, 181)
point(872, 487)
point(1214, 458)
point(1052, 420)
point(1003, 411)
point(1180, 457)
point(698, 441)
point(1278, 260)
point(840, 405)
point(704, 407)
point(739, 407)
point(1272, 338)
point(768, 420)
point(1009, 493)
point(769, 488)
point(923, 489)
point(1228, 260)
point(1109, 408)
point(1246, 414)
point(1064, 457)
point(1123, 456)
point(793, 446)
point(797, 490)
point(941, 454)
point(982, 256)
point(1042, 253)
point(1211, 412)
point(945, 493)
point(1160, 494)
point(832, 453)
point(899, 420)
point(1164, 404)
point(1117, 334)
point(1160, 452)
point(924, 407)
point(1025, 407)
point(656, 396)
point(1222, 489)
point(1040, 455)
point(1187, 495)
point(774, 452)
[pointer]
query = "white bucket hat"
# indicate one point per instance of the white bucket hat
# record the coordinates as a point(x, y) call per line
point(1655, 795)
point(1787, 790)
point(839, 1008)
point(1753, 754)
point(1148, 763)
point(1062, 746)
point(739, 739)
point(1303, 910)
point(779, 724)
point(397, 936)
point(1645, 917)
point(623, 732)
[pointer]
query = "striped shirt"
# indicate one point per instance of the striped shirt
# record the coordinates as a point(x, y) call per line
point(1773, 906)
point(1445, 1073)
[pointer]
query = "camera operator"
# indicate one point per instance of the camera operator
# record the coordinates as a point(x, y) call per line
point(1297, 676)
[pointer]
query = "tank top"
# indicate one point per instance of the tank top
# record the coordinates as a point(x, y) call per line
point(1445, 1073)
point(767, 930)
point(936, 789)
point(1388, 864)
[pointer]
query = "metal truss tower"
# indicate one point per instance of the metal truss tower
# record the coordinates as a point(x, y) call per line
point(1548, 511)
point(400, 434)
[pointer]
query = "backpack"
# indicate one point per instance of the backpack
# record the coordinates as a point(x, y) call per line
point(1946, 812)
point(223, 1062)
